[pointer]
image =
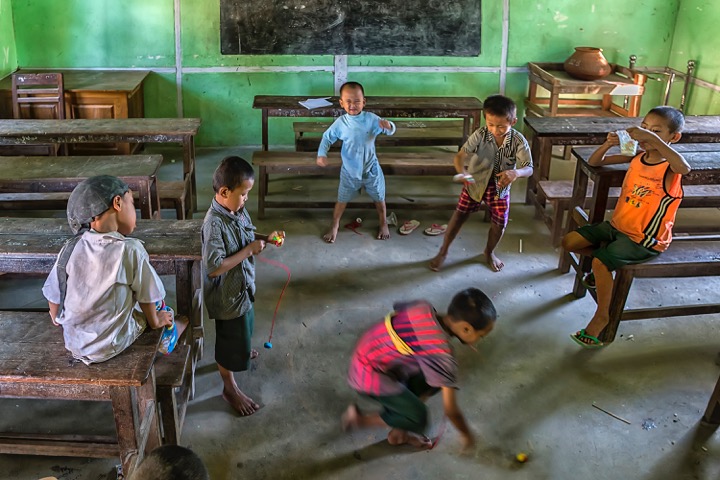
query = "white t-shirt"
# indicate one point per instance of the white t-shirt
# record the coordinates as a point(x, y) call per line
point(108, 274)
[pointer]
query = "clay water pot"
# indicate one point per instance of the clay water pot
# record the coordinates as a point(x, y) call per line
point(587, 63)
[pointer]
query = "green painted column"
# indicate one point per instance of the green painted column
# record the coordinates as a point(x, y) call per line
point(8, 55)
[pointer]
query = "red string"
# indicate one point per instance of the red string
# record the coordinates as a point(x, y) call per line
point(287, 270)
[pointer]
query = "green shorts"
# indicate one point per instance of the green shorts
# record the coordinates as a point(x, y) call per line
point(406, 410)
point(232, 341)
point(613, 248)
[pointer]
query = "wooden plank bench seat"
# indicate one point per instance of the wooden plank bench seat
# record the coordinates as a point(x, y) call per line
point(687, 256)
point(303, 163)
point(173, 195)
point(559, 193)
point(408, 133)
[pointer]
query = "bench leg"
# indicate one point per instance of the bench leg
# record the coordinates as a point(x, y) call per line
point(262, 191)
point(168, 407)
point(556, 228)
point(712, 413)
point(621, 288)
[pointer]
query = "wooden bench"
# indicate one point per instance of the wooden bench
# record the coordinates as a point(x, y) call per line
point(687, 256)
point(173, 195)
point(174, 389)
point(409, 133)
point(34, 364)
point(303, 163)
point(559, 193)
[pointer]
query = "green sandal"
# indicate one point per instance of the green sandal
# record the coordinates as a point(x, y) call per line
point(579, 336)
point(588, 281)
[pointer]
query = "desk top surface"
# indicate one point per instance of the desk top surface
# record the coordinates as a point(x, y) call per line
point(33, 351)
point(38, 238)
point(73, 169)
point(89, 80)
point(695, 125)
point(109, 126)
point(385, 106)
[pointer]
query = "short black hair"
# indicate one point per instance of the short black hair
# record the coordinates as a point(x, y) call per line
point(171, 462)
point(352, 85)
point(231, 173)
point(474, 307)
point(673, 116)
point(501, 106)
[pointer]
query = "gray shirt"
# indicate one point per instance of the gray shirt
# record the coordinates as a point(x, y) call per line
point(231, 294)
point(487, 159)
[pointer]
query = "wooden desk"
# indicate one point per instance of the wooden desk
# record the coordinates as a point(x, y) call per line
point(32, 245)
point(62, 174)
point(467, 108)
point(92, 94)
point(544, 132)
point(705, 171)
point(133, 130)
point(35, 364)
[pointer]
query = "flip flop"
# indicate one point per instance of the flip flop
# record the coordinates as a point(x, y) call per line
point(578, 336)
point(408, 227)
point(392, 219)
point(588, 281)
point(435, 229)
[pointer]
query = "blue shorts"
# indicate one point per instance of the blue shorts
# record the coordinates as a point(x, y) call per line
point(373, 182)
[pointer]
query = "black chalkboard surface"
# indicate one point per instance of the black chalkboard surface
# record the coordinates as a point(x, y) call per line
point(357, 27)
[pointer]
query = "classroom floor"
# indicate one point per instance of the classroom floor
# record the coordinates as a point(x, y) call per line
point(528, 389)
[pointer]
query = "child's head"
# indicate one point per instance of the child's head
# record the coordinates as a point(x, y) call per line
point(171, 462)
point(232, 181)
point(97, 199)
point(666, 122)
point(500, 115)
point(472, 315)
point(352, 97)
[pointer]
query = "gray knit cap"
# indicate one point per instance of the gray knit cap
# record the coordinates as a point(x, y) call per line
point(92, 197)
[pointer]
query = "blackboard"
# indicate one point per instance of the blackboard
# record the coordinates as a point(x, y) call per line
point(355, 27)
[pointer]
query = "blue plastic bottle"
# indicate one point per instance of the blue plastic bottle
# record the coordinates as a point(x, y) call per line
point(169, 337)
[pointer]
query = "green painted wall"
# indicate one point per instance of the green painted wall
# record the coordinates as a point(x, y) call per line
point(140, 33)
point(696, 19)
point(8, 56)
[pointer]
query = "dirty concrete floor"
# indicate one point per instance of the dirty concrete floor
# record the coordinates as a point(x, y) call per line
point(528, 389)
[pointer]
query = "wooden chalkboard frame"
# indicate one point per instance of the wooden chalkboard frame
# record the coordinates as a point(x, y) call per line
point(358, 27)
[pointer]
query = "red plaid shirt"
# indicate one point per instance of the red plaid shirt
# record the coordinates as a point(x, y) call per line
point(379, 368)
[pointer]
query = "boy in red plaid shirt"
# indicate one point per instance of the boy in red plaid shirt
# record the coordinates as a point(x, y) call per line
point(407, 358)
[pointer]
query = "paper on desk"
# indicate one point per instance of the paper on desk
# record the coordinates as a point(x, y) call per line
point(627, 90)
point(311, 103)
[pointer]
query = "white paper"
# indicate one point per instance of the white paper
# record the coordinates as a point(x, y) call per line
point(627, 90)
point(311, 103)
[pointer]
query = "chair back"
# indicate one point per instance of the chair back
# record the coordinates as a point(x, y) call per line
point(38, 96)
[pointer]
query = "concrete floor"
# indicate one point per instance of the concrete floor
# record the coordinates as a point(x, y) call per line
point(529, 388)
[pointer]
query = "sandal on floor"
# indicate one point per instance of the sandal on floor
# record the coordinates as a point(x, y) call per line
point(579, 336)
point(435, 229)
point(408, 227)
point(588, 281)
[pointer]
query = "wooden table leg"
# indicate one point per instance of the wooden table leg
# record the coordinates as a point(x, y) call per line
point(145, 197)
point(621, 289)
point(712, 413)
point(189, 167)
point(154, 199)
point(262, 191)
point(580, 183)
point(264, 130)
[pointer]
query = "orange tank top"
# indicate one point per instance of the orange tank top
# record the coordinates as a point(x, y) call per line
point(646, 211)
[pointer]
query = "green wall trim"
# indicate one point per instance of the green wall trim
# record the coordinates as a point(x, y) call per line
point(8, 51)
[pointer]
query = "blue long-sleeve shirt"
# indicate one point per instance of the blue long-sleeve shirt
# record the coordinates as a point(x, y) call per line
point(357, 133)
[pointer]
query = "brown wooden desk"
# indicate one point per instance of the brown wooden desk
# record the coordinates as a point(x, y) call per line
point(92, 94)
point(705, 171)
point(467, 108)
point(133, 130)
point(31, 246)
point(62, 174)
point(544, 132)
point(35, 364)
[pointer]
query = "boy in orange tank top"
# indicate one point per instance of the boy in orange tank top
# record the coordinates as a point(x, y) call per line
point(641, 225)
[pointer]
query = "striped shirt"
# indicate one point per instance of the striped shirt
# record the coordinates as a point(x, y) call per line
point(409, 342)
point(487, 159)
point(646, 209)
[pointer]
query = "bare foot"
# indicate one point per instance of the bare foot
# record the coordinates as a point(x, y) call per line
point(351, 418)
point(402, 437)
point(495, 263)
point(437, 262)
point(383, 232)
point(330, 236)
point(240, 402)
point(254, 354)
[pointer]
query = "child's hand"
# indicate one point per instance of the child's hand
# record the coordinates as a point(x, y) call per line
point(277, 234)
point(321, 161)
point(612, 139)
point(385, 125)
point(165, 318)
point(257, 246)
point(506, 177)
